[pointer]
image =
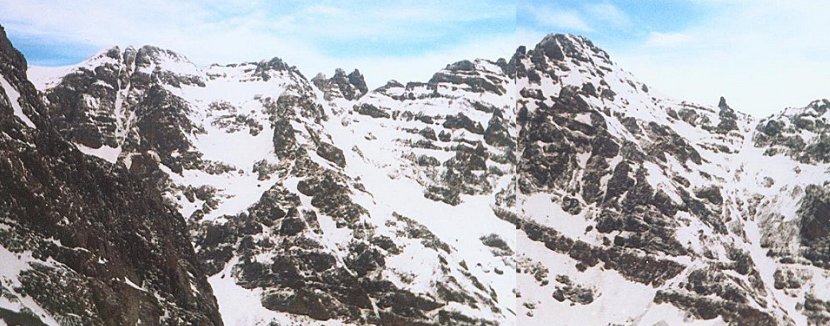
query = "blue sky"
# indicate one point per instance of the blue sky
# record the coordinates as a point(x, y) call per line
point(762, 55)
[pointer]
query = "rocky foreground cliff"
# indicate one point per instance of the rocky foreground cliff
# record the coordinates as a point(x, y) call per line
point(82, 242)
point(552, 187)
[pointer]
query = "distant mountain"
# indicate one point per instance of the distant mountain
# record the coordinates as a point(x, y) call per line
point(549, 188)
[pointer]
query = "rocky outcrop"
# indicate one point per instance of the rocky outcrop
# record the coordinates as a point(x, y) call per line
point(349, 87)
point(800, 133)
point(814, 231)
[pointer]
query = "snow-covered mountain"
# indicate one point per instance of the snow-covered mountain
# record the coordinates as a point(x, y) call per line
point(312, 200)
point(553, 188)
point(661, 208)
point(664, 210)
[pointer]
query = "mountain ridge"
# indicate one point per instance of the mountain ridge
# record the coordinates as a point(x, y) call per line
point(586, 196)
point(549, 37)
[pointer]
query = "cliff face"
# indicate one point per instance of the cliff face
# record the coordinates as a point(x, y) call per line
point(81, 241)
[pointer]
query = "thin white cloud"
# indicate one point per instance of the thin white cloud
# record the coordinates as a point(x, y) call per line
point(105, 23)
point(566, 19)
point(609, 13)
point(657, 39)
point(571, 20)
point(555, 18)
point(324, 10)
point(435, 11)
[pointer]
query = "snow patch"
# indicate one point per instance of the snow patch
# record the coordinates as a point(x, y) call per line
point(13, 97)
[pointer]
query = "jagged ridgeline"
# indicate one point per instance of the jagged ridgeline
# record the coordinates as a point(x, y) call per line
point(551, 188)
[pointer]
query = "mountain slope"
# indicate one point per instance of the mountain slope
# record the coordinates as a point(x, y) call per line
point(659, 195)
point(280, 179)
point(81, 241)
point(553, 187)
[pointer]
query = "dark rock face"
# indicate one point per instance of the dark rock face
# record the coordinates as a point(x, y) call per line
point(815, 225)
point(349, 87)
point(703, 308)
point(801, 133)
point(164, 128)
point(372, 111)
point(284, 140)
point(550, 48)
point(464, 73)
point(572, 292)
point(104, 249)
point(330, 196)
point(460, 121)
point(817, 310)
point(500, 248)
point(711, 193)
point(498, 131)
point(331, 153)
point(728, 118)
point(124, 103)
point(641, 269)
point(89, 106)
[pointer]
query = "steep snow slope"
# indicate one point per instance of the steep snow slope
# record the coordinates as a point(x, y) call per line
point(438, 152)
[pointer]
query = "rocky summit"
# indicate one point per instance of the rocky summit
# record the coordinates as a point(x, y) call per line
point(550, 188)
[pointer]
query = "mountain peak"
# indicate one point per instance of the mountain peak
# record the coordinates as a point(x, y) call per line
point(722, 103)
point(275, 63)
point(356, 79)
point(152, 51)
point(349, 87)
point(558, 46)
point(821, 106)
point(558, 37)
point(463, 65)
point(148, 56)
point(8, 52)
point(551, 48)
